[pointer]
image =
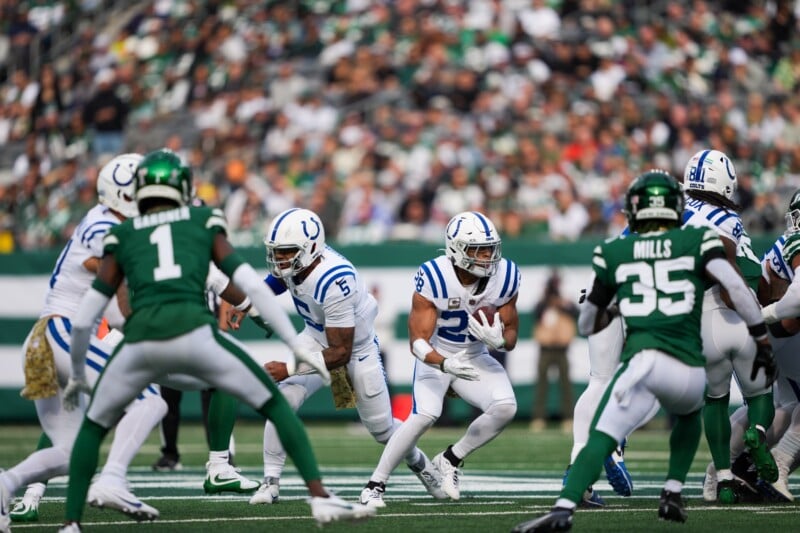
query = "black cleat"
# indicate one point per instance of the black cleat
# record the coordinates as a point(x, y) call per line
point(167, 463)
point(671, 507)
point(558, 519)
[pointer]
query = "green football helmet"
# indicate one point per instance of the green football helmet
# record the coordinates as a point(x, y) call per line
point(161, 174)
point(654, 195)
point(793, 213)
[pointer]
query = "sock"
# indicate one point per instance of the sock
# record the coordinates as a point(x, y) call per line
point(789, 444)
point(760, 410)
point(221, 417)
point(586, 468)
point(415, 460)
point(293, 436)
point(673, 485)
point(82, 465)
point(718, 430)
point(683, 443)
point(450, 456)
point(218, 457)
point(130, 434)
point(724, 475)
point(484, 429)
point(583, 414)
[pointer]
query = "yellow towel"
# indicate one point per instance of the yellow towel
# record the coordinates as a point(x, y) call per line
point(41, 379)
point(342, 389)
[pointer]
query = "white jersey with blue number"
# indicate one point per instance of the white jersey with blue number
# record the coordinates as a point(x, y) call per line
point(436, 281)
point(774, 261)
point(70, 279)
point(333, 296)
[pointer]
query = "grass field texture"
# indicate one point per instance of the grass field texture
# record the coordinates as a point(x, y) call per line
point(514, 478)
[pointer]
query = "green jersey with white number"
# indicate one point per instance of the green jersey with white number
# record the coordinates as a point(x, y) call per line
point(165, 256)
point(659, 279)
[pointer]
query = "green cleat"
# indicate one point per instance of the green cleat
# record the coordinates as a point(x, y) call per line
point(726, 492)
point(25, 511)
point(755, 439)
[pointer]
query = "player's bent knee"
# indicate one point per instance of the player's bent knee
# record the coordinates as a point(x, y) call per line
point(503, 411)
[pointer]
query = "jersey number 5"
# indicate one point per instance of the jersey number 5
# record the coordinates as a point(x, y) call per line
point(650, 280)
point(166, 269)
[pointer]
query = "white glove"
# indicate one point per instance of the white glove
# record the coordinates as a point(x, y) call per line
point(309, 362)
point(456, 365)
point(491, 336)
point(72, 394)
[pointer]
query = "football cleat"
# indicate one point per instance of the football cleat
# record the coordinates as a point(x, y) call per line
point(267, 493)
point(755, 440)
point(222, 477)
point(618, 476)
point(450, 475)
point(558, 519)
point(70, 527)
point(745, 471)
point(108, 496)
point(671, 507)
point(167, 463)
point(25, 510)
point(333, 508)
point(372, 495)
point(727, 491)
point(778, 491)
point(591, 500)
point(430, 477)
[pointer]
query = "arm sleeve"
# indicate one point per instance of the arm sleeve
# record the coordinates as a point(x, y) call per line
point(789, 304)
point(587, 318)
point(746, 304)
point(92, 306)
point(264, 301)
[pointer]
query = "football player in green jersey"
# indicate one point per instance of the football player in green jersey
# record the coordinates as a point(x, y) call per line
point(658, 275)
point(164, 254)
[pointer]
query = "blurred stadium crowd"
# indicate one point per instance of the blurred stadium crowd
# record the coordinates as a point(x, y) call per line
point(388, 117)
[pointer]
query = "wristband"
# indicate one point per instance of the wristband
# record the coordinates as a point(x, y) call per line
point(758, 331)
point(420, 348)
point(441, 366)
point(244, 304)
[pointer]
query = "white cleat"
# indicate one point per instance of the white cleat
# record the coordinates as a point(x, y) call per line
point(373, 496)
point(710, 484)
point(222, 477)
point(431, 479)
point(108, 496)
point(333, 508)
point(71, 527)
point(267, 493)
point(450, 476)
point(781, 486)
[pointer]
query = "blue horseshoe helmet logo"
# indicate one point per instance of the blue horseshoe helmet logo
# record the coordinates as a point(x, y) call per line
point(116, 180)
point(305, 229)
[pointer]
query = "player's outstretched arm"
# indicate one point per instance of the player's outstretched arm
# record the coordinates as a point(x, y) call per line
point(789, 304)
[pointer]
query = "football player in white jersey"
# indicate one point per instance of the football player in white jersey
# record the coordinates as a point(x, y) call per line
point(710, 184)
point(452, 348)
point(339, 313)
point(47, 361)
point(780, 293)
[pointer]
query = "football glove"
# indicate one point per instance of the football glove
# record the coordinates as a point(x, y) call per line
point(303, 357)
point(72, 393)
point(492, 335)
point(457, 366)
point(764, 359)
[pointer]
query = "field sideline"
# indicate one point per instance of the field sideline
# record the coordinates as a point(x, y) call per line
point(514, 478)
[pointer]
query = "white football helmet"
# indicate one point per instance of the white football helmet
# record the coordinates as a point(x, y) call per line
point(115, 186)
point(298, 230)
point(468, 234)
point(712, 171)
point(793, 214)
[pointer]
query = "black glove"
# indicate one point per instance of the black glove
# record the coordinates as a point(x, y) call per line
point(258, 321)
point(764, 359)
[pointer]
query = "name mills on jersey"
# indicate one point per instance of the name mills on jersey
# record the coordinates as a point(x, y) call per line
point(655, 249)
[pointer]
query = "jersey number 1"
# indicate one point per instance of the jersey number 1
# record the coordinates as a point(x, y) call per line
point(166, 269)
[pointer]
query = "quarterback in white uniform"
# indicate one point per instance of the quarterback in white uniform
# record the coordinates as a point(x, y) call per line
point(710, 183)
point(47, 360)
point(339, 313)
point(452, 348)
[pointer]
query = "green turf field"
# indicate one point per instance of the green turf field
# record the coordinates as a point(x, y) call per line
point(512, 479)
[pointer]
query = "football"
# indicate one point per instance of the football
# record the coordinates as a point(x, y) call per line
point(488, 311)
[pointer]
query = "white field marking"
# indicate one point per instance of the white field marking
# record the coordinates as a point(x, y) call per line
point(524, 510)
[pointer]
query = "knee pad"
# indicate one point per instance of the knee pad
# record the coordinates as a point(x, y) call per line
point(503, 411)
